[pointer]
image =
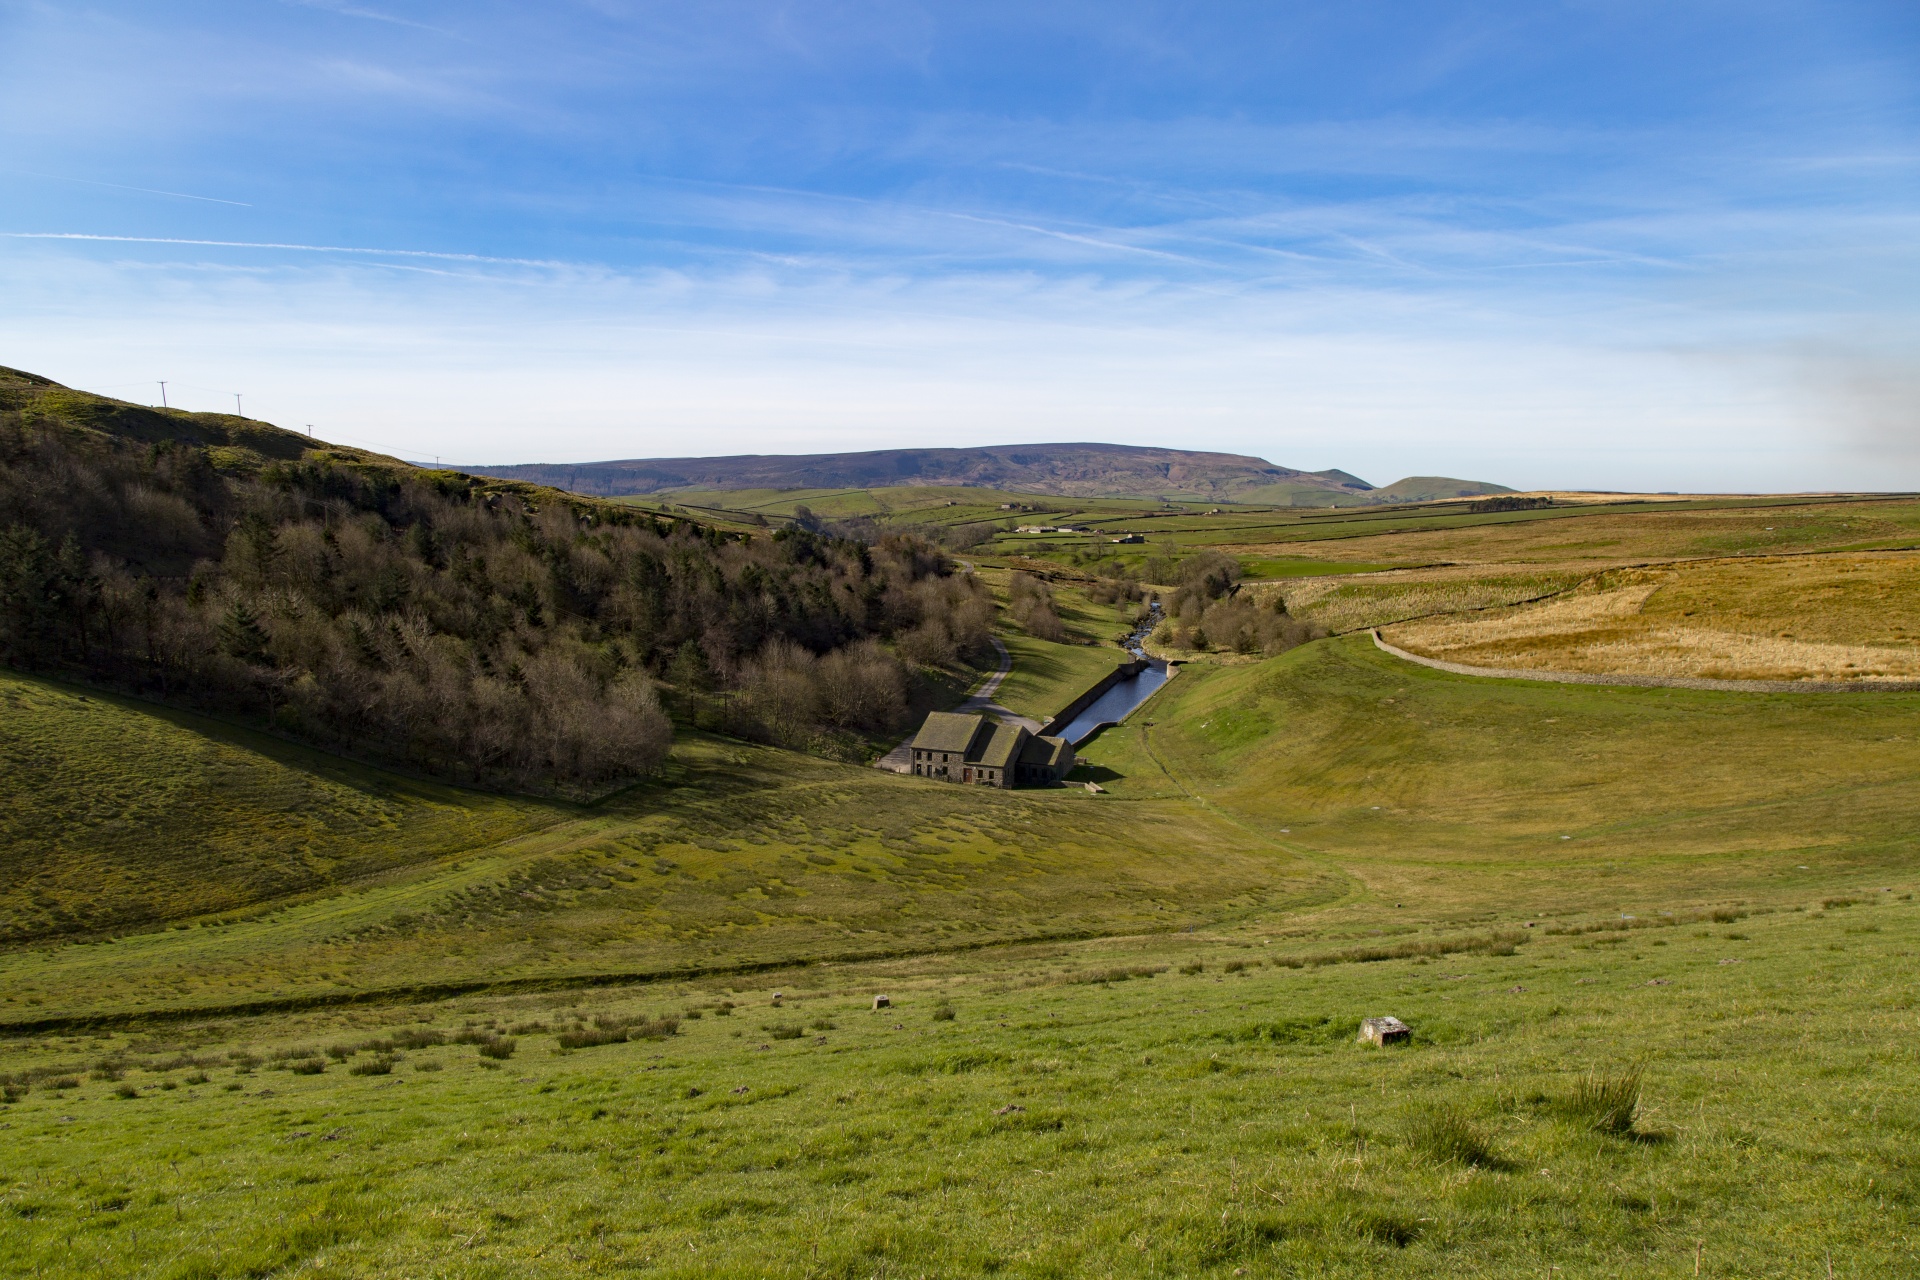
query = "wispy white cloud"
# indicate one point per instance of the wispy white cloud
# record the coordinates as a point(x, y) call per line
point(371, 15)
point(280, 245)
point(1399, 239)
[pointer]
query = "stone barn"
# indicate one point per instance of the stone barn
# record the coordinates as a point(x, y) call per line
point(977, 751)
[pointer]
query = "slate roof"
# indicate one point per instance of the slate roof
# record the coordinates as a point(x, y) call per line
point(1047, 752)
point(1001, 749)
point(948, 731)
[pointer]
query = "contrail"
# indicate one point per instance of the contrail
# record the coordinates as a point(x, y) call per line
point(300, 248)
point(151, 191)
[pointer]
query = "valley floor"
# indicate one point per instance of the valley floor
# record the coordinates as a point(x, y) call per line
point(1120, 1037)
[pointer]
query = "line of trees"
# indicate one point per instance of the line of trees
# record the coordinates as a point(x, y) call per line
point(450, 624)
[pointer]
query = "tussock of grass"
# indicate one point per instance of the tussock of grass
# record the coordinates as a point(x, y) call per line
point(1445, 1133)
point(1119, 973)
point(613, 1031)
point(1604, 1102)
point(1500, 943)
point(1663, 920)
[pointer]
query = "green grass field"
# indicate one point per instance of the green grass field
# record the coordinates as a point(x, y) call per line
point(1121, 1039)
point(1047, 676)
point(737, 856)
point(1453, 794)
point(1063, 1119)
point(120, 814)
point(1284, 544)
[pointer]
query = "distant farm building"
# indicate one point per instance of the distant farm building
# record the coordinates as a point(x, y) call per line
point(976, 751)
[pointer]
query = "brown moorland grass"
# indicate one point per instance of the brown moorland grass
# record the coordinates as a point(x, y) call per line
point(1830, 617)
point(1352, 603)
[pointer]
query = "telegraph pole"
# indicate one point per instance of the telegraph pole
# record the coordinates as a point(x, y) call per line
point(236, 406)
point(163, 395)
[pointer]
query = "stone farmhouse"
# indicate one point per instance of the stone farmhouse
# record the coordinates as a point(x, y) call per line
point(981, 752)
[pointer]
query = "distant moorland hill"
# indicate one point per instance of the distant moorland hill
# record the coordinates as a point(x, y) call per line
point(1066, 470)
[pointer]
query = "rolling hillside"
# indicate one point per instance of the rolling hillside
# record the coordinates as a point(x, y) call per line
point(488, 632)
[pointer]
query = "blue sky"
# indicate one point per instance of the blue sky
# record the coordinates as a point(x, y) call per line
point(1596, 245)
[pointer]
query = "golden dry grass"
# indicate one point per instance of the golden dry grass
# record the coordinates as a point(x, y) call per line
point(1842, 617)
point(1355, 601)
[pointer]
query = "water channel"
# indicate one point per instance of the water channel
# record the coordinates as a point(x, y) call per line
point(1117, 703)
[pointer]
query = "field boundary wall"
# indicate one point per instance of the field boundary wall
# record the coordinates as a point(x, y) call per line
point(1651, 682)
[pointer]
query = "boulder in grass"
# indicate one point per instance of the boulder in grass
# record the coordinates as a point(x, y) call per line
point(881, 1002)
point(1384, 1031)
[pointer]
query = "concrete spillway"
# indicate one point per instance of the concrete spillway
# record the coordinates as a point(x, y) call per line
point(1123, 692)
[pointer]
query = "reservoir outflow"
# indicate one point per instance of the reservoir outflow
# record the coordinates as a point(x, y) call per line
point(1117, 703)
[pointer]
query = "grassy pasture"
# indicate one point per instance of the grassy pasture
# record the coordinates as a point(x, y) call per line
point(1433, 547)
point(1455, 795)
point(1718, 888)
point(1047, 676)
point(1342, 604)
point(737, 856)
point(1600, 535)
point(1095, 1108)
point(121, 814)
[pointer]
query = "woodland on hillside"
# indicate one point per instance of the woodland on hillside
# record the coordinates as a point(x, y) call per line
point(1207, 611)
point(460, 628)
